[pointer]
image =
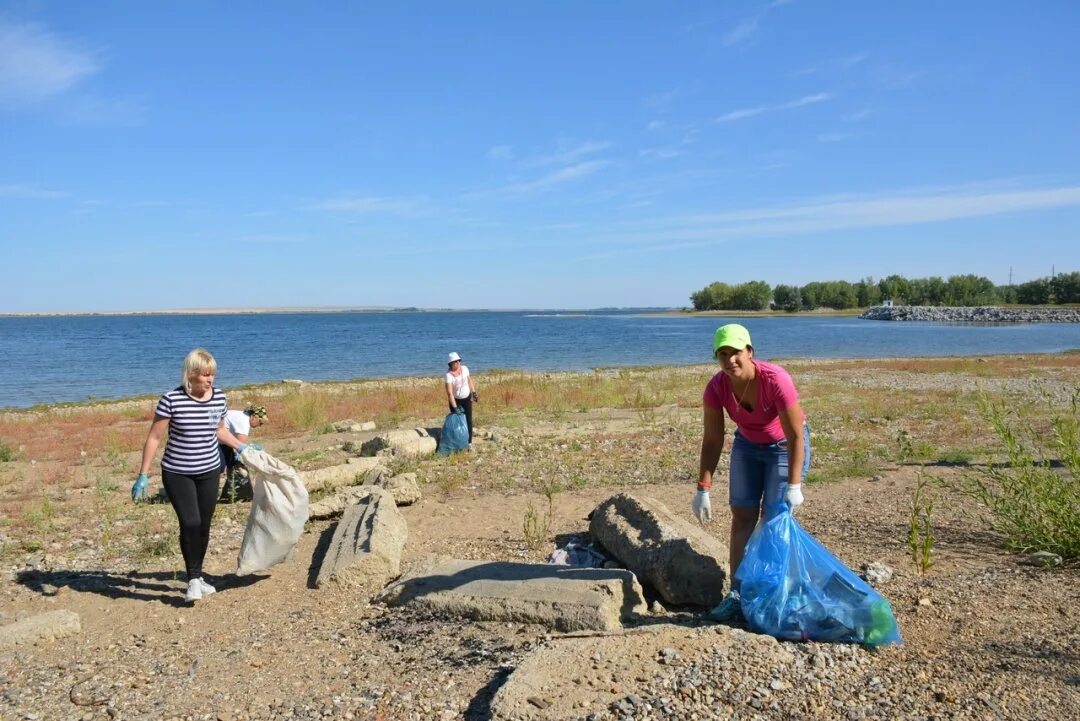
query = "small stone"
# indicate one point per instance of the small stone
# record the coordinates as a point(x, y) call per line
point(877, 573)
point(538, 702)
point(777, 685)
point(1042, 559)
point(924, 602)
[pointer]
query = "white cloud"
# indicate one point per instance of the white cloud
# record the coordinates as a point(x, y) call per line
point(740, 33)
point(560, 176)
point(501, 152)
point(269, 239)
point(363, 204)
point(837, 214)
point(857, 116)
point(36, 64)
point(665, 153)
point(568, 154)
point(743, 113)
point(113, 113)
point(805, 100)
point(30, 192)
point(851, 60)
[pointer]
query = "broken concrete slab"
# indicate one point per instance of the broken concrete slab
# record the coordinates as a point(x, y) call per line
point(403, 487)
point(566, 678)
point(352, 426)
point(681, 561)
point(424, 446)
point(560, 598)
point(410, 442)
point(346, 474)
point(337, 503)
point(43, 626)
point(367, 543)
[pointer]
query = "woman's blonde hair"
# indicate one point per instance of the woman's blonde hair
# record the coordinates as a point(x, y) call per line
point(196, 363)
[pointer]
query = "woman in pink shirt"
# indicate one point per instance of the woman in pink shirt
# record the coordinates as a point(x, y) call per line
point(770, 453)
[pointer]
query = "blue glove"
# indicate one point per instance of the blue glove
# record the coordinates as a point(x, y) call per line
point(138, 491)
point(256, 446)
point(240, 451)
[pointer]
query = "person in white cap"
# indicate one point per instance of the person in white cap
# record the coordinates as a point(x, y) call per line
point(460, 389)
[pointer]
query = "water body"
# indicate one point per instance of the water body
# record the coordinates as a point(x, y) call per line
point(59, 359)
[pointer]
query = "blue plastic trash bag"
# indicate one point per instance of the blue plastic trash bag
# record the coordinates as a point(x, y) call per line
point(795, 590)
point(455, 434)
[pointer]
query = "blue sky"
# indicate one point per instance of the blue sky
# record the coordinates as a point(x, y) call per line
point(541, 155)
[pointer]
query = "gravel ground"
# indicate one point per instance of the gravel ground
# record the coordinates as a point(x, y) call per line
point(985, 636)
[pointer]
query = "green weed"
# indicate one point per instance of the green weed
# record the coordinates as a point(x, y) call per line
point(107, 511)
point(920, 526)
point(912, 450)
point(537, 525)
point(7, 453)
point(956, 458)
point(857, 463)
point(154, 546)
point(39, 521)
point(1033, 500)
point(305, 410)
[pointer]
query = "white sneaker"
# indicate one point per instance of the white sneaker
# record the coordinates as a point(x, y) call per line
point(194, 591)
point(207, 589)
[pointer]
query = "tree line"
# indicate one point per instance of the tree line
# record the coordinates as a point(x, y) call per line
point(956, 290)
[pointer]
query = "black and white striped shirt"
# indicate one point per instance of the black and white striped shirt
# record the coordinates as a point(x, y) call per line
point(193, 446)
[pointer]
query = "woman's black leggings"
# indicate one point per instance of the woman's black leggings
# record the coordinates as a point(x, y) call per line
point(465, 403)
point(193, 498)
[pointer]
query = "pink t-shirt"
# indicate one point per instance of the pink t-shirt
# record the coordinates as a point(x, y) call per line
point(776, 393)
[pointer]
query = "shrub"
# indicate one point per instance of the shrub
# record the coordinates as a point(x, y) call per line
point(1034, 499)
point(305, 410)
point(7, 453)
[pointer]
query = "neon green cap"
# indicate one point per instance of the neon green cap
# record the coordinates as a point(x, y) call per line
point(731, 335)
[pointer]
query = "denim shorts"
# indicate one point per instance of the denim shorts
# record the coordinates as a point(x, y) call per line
point(759, 472)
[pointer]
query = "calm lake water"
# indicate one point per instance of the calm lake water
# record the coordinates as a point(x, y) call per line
point(54, 359)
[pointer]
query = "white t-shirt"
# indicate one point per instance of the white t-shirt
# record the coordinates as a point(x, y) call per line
point(238, 423)
point(460, 382)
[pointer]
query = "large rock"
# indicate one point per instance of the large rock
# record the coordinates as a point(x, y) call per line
point(339, 502)
point(353, 473)
point(44, 626)
point(599, 676)
point(411, 442)
point(351, 426)
point(680, 560)
point(560, 598)
point(367, 544)
point(403, 488)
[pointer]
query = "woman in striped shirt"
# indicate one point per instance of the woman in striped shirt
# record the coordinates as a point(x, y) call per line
point(193, 415)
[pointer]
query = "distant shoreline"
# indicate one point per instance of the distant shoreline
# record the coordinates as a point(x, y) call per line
point(301, 309)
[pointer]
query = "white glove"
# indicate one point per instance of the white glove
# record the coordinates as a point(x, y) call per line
point(702, 506)
point(793, 496)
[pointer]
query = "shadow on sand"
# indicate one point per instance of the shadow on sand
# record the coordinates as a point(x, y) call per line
point(160, 586)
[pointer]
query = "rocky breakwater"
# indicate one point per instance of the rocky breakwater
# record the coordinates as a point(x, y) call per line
point(979, 314)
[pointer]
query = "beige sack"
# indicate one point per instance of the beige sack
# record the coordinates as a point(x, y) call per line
point(279, 510)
